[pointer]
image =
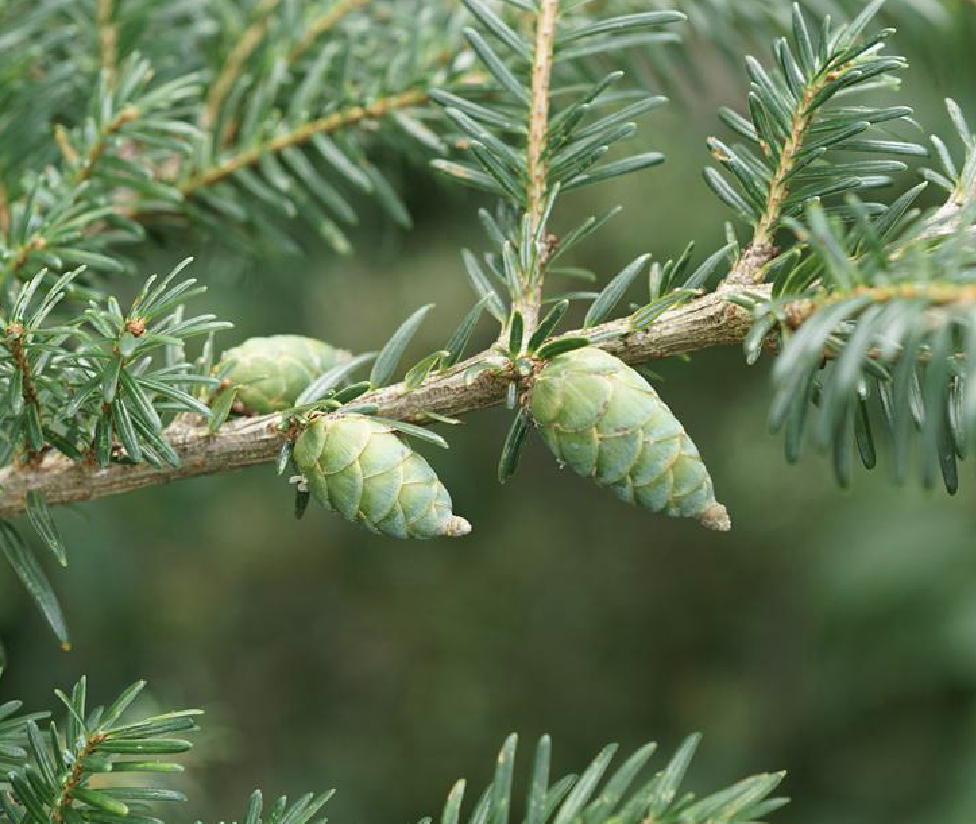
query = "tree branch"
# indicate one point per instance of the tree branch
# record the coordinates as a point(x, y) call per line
point(234, 64)
point(333, 15)
point(529, 302)
point(761, 251)
point(536, 167)
point(108, 35)
point(703, 323)
point(329, 123)
point(4, 207)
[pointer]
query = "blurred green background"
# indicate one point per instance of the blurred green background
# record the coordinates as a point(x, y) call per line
point(831, 634)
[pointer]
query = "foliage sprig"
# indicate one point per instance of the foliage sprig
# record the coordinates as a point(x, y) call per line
point(67, 773)
point(95, 767)
point(98, 387)
point(878, 327)
point(799, 124)
point(267, 113)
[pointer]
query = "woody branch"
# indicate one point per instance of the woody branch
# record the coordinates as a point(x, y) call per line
point(709, 321)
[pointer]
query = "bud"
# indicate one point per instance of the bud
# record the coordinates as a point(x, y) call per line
point(360, 468)
point(603, 420)
point(274, 371)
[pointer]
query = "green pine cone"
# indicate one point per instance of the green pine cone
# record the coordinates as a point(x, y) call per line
point(603, 420)
point(360, 468)
point(273, 371)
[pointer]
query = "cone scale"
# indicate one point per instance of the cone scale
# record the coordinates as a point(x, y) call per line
point(604, 420)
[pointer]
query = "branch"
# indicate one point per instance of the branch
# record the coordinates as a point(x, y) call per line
point(87, 168)
point(251, 39)
point(4, 207)
point(703, 323)
point(802, 123)
point(537, 166)
point(235, 61)
point(74, 776)
point(38, 241)
point(333, 15)
point(15, 345)
point(539, 111)
point(108, 35)
point(330, 123)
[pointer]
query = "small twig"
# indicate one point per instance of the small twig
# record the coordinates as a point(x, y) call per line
point(238, 56)
point(778, 191)
point(85, 169)
point(322, 24)
point(937, 294)
point(108, 36)
point(34, 243)
point(329, 123)
point(536, 166)
point(127, 115)
point(4, 207)
point(74, 777)
point(15, 345)
point(749, 267)
point(63, 142)
point(333, 122)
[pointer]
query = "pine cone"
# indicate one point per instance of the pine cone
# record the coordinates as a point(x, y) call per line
point(358, 467)
point(273, 371)
point(603, 420)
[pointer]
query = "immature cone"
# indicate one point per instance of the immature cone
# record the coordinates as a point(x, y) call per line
point(603, 420)
point(358, 467)
point(273, 371)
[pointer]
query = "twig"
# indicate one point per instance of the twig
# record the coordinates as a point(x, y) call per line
point(329, 123)
point(539, 110)
point(706, 322)
point(537, 171)
point(37, 242)
point(322, 24)
point(749, 267)
point(34, 243)
point(74, 776)
point(126, 115)
point(935, 294)
point(108, 36)
point(4, 208)
point(15, 345)
point(248, 42)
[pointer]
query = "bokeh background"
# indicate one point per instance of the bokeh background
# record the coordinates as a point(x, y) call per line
point(831, 634)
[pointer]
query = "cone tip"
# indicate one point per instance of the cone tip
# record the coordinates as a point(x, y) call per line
point(457, 527)
point(715, 516)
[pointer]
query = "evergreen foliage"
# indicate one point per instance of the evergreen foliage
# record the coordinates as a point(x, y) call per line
point(126, 124)
point(93, 767)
